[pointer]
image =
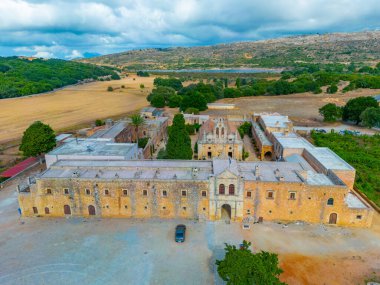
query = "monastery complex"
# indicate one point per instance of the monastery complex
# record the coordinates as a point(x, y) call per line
point(108, 177)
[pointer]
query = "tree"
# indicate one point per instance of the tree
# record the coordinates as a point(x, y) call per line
point(37, 139)
point(371, 117)
point(137, 121)
point(330, 112)
point(179, 143)
point(174, 101)
point(332, 89)
point(158, 101)
point(241, 266)
point(196, 100)
point(354, 107)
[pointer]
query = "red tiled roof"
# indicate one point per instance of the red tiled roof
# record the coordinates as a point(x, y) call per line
point(19, 167)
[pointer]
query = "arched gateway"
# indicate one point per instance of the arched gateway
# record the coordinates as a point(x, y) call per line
point(226, 212)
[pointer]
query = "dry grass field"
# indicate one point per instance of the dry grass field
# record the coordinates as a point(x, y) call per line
point(73, 106)
point(302, 108)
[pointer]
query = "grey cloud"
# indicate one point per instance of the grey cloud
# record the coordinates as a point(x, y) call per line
point(72, 27)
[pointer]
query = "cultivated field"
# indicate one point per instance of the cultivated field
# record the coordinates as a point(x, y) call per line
point(73, 106)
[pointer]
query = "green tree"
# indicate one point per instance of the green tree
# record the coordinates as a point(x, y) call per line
point(371, 117)
point(37, 139)
point(241, 266)
point(354, 107)
point(158, 101)
point(137, 121)
point(332, 89)
point(179, 143)
point(174, 101)
point(197, 100)
point(330, 112)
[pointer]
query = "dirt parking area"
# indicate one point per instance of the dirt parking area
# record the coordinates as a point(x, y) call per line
point(130, 251)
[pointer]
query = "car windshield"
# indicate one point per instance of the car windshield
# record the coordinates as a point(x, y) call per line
point(180, 234)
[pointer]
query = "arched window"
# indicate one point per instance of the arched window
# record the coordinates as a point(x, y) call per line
point(91, 210)
point(47, 212)
point(222, 189)
point(217, 131)
point(222, 131)
point(231, 189)
point(330, 201)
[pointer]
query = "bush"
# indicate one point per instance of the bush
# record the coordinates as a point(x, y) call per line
point(332, 89)
point(143, 142)
point(142, 73)
point(109, 89)
point(99, 123)
point(162, 154)
point(190, 129)
point(142, 86)
point(192, 110)
point(245, 129)
point(330, 112)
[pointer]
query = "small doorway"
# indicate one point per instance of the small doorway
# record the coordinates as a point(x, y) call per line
point(333, 218)
point(67, 210)
point(230, 154)
point(226, 212)
point(209, 154)
point(91, 210)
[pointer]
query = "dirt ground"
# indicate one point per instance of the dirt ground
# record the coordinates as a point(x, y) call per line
point(301, 108)
point(73, 106)
point(116, 251)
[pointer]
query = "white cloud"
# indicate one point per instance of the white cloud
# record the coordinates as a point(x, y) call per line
point(62, 27)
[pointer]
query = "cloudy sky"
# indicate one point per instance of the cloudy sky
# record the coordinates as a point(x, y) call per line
point(76, 28)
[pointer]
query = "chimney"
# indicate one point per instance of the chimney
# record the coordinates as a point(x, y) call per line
point(257, 170)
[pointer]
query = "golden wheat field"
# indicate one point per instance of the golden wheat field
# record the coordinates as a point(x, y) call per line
point(73, 106)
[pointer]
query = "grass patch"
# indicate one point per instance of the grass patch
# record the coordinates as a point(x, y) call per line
point(363, 153)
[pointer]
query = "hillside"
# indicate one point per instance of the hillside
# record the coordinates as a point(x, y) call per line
point(363, 47)
point(24, 76)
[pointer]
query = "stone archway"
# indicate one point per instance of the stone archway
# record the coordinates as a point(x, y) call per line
point(268, 155)
point(226, 212)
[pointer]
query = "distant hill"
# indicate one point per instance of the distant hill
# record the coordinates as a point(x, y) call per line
point(363, 47)
point(21, 76)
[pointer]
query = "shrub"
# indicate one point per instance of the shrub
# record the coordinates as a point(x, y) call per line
point(109, 89)
point(192, 110)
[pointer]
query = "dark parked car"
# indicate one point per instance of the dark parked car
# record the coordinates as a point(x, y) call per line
point(180, 232)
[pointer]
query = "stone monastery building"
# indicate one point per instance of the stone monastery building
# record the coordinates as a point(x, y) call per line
point(306, 183)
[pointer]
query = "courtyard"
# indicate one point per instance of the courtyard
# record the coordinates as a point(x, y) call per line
point(134, 251)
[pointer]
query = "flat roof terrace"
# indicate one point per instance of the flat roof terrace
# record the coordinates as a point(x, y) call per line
point(275, 121)
point(94, 147)
point(329, 159)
